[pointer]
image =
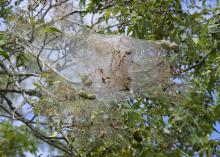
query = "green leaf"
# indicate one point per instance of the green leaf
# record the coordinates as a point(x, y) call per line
point(37, 85)
point(54, 134)
point(134, 117)
point(20, 60)
point(82, 2)
point(195, 39)
point(36, 112)
point(107, 15)
point(2, 42)
point(32, 22)
point(38, 122)
point(4, 54)
point(53, 30)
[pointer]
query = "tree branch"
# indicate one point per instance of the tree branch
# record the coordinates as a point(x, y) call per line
point(29, 92)
point(37, 132)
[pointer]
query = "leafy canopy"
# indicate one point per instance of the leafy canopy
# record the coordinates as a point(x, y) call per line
point(177, 122)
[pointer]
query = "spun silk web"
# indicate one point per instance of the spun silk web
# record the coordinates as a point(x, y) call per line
point(106, 66)
point(93, 71)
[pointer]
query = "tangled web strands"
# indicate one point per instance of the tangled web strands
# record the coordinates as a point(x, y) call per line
point(109, 66)
point(94, 70)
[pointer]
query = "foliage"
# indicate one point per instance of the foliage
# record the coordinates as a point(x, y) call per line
point(15, 140)
point(177, 122)
point(191, 112)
